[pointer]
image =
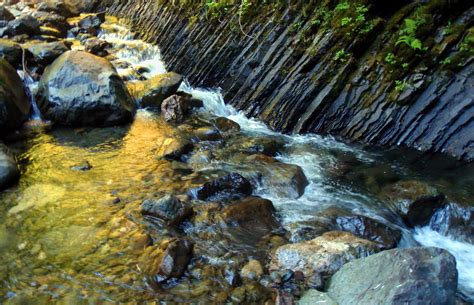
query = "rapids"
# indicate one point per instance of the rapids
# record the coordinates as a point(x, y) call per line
point(69, 235)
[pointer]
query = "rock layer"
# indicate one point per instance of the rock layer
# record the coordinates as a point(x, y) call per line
point(357, 84)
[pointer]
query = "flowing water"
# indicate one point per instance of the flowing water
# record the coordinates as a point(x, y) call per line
point(71, 230)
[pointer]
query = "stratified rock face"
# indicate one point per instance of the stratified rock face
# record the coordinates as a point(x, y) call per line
point(81, 89)
point(324, 255)
point(399, 276)
point(14, 104)
point(304, 73)
point(9, 171)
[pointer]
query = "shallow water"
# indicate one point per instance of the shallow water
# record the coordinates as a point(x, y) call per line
point(77, 237)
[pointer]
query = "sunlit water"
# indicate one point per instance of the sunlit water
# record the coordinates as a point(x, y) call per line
point(77, 236)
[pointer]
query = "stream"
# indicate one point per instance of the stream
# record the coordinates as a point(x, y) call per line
point(75, 236)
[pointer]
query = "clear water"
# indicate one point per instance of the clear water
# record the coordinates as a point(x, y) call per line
point(64, 238)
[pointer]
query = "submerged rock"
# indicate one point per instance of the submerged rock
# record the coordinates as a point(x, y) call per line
point(207, 134)
point(9, 171)
point(226, 187)
point(169, 208)
point(399, 276)
point(324, 255)
point(370, 229)
point(152, 92)
point(14, 104)
point(80, 89)
point(169, 260)
point(226, 126)
point(174, 148)
point(315, 297)
point(252, 270)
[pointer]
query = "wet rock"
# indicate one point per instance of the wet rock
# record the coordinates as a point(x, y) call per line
point(9, 171)
point(23, 25)
point(420, 211)
point(174, 148)
point(324, 255)
point(398, 276)
point(169, 208)
point(91, 22)
point(226, 187)
point(172, 110)
point(207, 134)
point(188, 102)
point(14, 104)
point(96, 47)
point(152, 92)
point(407, 190)
point(455, 220)
point(370, 229)
point(83, 166)
point(169, 260)
point(252, 270)
point(51, 32)
point(11, 52)
point(80, 89)
point(226, 126)
point(252, 215)
point(312, 297)
point(5, 15)
point(232, 277)
point(45, 53)
point(267, 146)
point(68, 8)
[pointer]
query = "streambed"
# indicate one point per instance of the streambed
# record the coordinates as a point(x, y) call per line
point(78, 237)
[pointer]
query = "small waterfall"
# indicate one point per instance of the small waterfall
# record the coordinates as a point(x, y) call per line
point(30, 87)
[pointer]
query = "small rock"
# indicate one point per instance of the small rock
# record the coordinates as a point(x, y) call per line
point(46, 53)
point(24, 25)
point(96, 47)
point(226, 125)
point(252, 270)
point(91, 22)
point(172, 110)
point(152, 92)
point(208, 134)
point(84, 166)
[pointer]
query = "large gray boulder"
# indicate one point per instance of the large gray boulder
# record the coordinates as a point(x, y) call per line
point(81, 89)
point(399, 276)
point(8, 168)
point(14, 104)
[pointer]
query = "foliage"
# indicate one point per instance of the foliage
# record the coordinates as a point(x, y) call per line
point(408, 33)
point(343, 6)
point(400, 86)
point(390, 58)
point(341, 56)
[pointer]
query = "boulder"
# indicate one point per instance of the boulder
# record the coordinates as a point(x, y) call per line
point(324, 255)
point(9, 171)
point(81, 89)
point(399, 276)
point(5, 15)
point(45, 53)
point(250, 213)
point(420, 211)
point(315, 297)
point(168, 208)
point(169, 260)
point(26, 24)
point(152, 92)
point(370, 229)
point(11, 52)
point(14, 104)
point(67, 8)
point(207, 134)
point(226, 126)
point(174, 148)
point(227, 187)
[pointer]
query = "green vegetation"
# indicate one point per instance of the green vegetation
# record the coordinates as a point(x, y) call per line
point(390, 59)
point(341, 56)
point(400, 86)
point(408, 33)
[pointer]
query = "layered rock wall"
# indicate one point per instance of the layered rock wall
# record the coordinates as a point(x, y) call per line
point(389, 74)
